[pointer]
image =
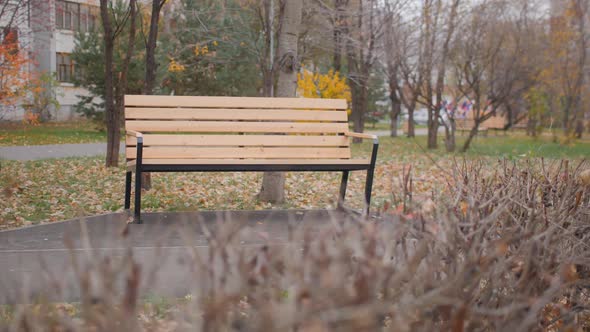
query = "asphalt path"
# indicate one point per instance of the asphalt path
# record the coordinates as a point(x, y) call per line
point(40, 261)
point(37, 152)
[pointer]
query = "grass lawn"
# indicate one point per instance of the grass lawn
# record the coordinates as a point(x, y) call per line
point(511, 147)
point(83, 186)
point(17, 133)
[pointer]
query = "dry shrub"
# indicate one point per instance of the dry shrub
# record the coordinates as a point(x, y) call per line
point(503, 248)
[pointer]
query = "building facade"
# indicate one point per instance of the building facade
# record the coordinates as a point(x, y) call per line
point(48, 33)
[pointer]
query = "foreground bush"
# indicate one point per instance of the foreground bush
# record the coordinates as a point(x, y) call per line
point(501, 248)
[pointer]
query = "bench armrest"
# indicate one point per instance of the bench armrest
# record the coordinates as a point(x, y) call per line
point(362, 135)
point(136, 134)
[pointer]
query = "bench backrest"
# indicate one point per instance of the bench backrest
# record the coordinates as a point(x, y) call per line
point(179, 127)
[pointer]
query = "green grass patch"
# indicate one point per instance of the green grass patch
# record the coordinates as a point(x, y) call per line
point(509, 146)
point(17, 133)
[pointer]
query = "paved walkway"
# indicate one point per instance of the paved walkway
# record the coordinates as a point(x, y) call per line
point(36, 152)
point(36, 261)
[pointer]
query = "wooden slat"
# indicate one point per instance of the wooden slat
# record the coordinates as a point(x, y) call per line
point(234, 114)
point(236, 153)
point(252, 162)
point(232, 126)
point(239, 140)
point(234, 102)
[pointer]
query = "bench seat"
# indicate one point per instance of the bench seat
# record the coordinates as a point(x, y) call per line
point(239, 134)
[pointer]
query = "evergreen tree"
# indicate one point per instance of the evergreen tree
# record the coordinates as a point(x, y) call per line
point(88, 54)
point(214, 50)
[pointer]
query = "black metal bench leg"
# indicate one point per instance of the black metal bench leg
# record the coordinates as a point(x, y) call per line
point(137, 214)
point(343, 185)
point(368, 190)
point(128, 190)
point(369, 181)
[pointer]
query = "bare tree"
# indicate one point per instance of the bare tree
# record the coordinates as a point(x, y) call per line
point(121, 83)
point(112, 115)
point(150, 47)
point(423, 48)
point(267, 59)
point(566, 64)
point(394, 40)
point(411, 81)
point(115, 87)
point(490, 63)
point(438, 21)
point(363, 32)
point(151, 66)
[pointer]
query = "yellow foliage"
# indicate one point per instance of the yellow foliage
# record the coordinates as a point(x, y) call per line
point(316, 85)
point(202, 50)
point(562, 72)
point(561, 56)
point(175, 67)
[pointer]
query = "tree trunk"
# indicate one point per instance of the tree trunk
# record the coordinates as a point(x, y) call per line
point(394, 120)
point(359, 105)
point(432, 129)
point(411, 125)
point(337, 56)
point(396, 105)
point(151, 68)
point(150, 49)
point(112, 116)
point(566, 115)
point(360, 58)
point(121, 85)
point(472, 134)
point(267, 65)
point(450, 142)
point(273, 183)
point(337, 34)
point(531, 127)
point(579, 128)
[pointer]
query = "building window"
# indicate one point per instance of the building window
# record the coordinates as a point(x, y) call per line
point(75, 16)
point(73, 9)
point(93, 18)
point(84, 15)
point(66, 68)
point(59, 14)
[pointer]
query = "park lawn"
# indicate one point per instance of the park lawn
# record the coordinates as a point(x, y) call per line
point(83, 186)
point(496, 146)
point(523, 146)
point(18, 133)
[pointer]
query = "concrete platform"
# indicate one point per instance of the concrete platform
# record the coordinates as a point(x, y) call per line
point(37, 261)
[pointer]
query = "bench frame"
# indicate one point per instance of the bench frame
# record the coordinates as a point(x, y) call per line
point(344, 168)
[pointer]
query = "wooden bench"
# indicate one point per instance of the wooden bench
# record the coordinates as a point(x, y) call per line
point(495, 123)
point(238, 134)
point(465, 125)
